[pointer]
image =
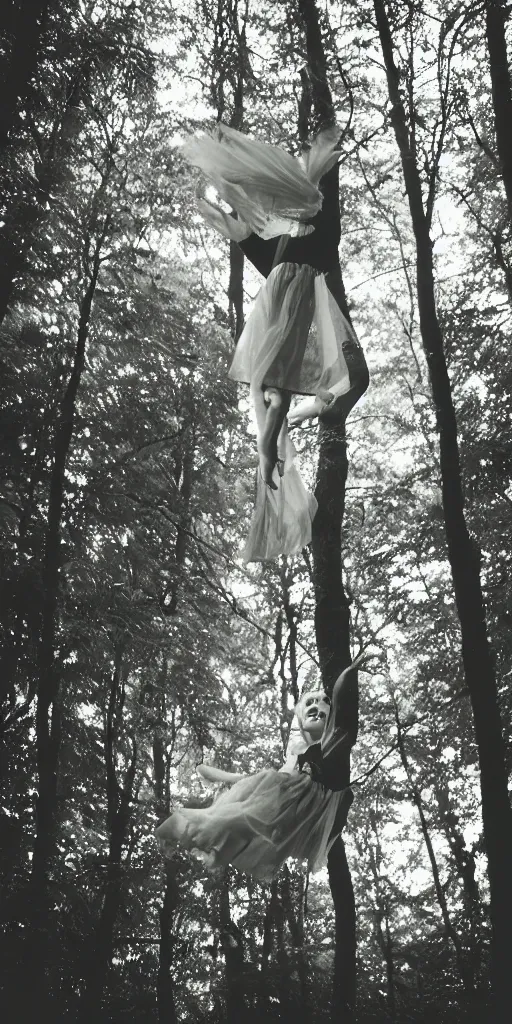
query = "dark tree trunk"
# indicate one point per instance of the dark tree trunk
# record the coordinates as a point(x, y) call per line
point(165, 986)
point(165, 982)
point(119, 803)
point(332, 614)
point(340, 881)
point(48, 709)
point(463, 557)
point(496, 15)
point(317, 65)
point(236, 290)
point(231, 941)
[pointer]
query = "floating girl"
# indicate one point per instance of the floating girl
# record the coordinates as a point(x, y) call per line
point(297, 340)
point(296, 812)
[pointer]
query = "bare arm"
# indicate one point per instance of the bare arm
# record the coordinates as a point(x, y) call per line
point(343, 721)
point(217, 774)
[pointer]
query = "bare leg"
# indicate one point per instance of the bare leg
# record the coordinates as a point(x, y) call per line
point(277, 403)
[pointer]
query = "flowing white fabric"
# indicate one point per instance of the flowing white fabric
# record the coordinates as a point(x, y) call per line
point(294, 339)
point(257, 824)
point(282, 519)
point(322, 154)
point(272, 191)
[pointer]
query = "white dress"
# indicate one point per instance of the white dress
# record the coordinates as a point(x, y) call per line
point(257, 824)
point(264, 819)
point(296, 337)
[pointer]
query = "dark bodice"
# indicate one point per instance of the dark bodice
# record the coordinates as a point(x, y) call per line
point(319, 249)
point(312, 757)
point(331, 773)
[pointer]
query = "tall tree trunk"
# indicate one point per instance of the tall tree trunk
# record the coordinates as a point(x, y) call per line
point(332, 612)
point(231, 941)
point(165, 987)
point(119, 803)
point(332, 615)
point(344, 982)
point(48, 709)
point(496, 15)
point(165, 983)
point(463, 557)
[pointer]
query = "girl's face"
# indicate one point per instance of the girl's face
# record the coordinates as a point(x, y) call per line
point(313, 711)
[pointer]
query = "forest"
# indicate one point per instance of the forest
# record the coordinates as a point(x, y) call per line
point(135, 641)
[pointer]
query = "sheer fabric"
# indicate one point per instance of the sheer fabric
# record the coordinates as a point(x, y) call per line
point(257, 824)
point(282, 520)
point(270, 189)
point(296, 338)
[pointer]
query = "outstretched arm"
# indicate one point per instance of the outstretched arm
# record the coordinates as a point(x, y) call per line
point(217, 774)
point(345, 700)
point(341, 730)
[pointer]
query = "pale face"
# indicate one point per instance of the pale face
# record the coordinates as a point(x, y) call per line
point(313, 711)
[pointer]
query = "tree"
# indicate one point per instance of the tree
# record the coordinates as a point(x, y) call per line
point(463, 550)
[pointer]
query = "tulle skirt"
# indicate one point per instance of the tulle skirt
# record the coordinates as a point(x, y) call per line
point(257, 824)
point(296, 339)
point(272, 191)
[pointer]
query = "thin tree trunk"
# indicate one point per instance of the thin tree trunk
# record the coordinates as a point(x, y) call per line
point(119, 802)
point(450, 931)
point(236, 290)
point(496, 15)
point(48, 709)
point(165, 987)
point(165, 982)
point(463, 557)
